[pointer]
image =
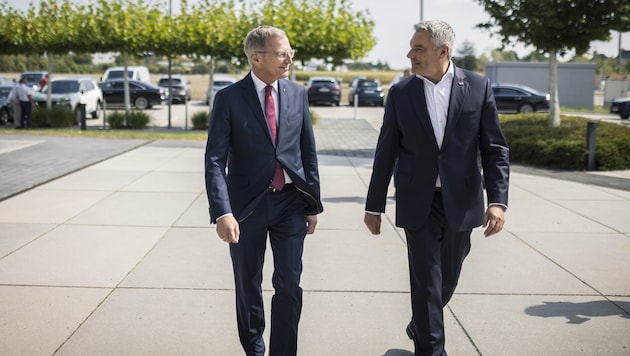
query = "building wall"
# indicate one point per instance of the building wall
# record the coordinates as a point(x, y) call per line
point(576, 86)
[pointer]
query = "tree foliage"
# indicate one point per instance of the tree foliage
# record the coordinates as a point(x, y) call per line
point(555, 27)
point(322, 29)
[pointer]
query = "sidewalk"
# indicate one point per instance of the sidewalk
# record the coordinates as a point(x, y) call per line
point(118, 258)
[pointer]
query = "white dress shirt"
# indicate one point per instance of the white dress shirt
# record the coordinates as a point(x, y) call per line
point(438, 96)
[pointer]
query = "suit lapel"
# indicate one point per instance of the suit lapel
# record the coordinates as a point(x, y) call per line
point(252, 100)
point(283, 105)
point(459, 89)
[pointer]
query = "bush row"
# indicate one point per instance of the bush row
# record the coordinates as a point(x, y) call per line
point(533, 142)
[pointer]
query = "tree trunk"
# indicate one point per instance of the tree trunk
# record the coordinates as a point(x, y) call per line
point(554, 109)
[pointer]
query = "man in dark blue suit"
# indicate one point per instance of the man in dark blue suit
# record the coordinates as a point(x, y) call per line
point(262, 179)
point(438, 123)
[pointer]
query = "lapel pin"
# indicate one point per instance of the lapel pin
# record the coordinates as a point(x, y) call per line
point(460, 83)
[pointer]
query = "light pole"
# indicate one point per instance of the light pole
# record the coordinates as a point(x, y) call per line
point(170, 100)
point(421, 10)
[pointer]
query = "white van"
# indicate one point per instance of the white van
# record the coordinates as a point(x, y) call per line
point(140, 73)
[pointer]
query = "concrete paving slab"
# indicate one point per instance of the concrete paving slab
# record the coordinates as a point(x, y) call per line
point(543, 324)
point(601, 261)
point(159, 322)
point(188, 160)
point(145, 158)
point(503, 264)
point(558, 190)
point(37, 320)
point(531, 213)
point(344, 188)
point(174, 182)
point(196, 215)
point(354, 261)
point(15, 236)
point(614, 214)
point(136, 209)
point(48, 206)
point(94, 180)
point(79, 256)
point(187, 258)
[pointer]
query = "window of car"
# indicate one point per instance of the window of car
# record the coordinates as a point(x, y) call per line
point(64, 86)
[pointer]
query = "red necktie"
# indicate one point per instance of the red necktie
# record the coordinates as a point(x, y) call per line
point(270, 113)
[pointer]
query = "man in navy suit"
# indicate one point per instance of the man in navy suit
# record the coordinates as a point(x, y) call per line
point(262, 179)
point(442, 125)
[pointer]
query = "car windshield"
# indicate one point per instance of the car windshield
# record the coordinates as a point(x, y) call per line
point(118, 74)
point(368, 84)
point(32, 78)
point(64, 87)
point(323, 83)
point(174, 81)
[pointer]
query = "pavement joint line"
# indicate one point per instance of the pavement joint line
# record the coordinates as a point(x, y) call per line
point(559, 265)
point(461, 326)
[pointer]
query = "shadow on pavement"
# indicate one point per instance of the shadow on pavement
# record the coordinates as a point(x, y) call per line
point(578, 313)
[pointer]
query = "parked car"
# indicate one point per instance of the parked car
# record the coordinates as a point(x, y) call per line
point(71, 92)
point(519, 98)
point(33, 78)
point(325, 90)
point(219, 82)
point(5, 81)
point(141, 95)
point(621, 106)
point(368, 92)
point(140, 73)
point(6, 109)
point(179, 90)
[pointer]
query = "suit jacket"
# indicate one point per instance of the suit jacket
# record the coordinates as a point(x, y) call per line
point(240, 157)
point(472, 131)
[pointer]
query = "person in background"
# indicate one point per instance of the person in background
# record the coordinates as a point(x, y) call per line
point(15, 104)
point(262, 179)
point(43, 81)
point(25, 96)
point(435, 123)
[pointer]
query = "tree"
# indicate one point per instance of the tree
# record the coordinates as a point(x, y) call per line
point(553, 27)
point(466, 56)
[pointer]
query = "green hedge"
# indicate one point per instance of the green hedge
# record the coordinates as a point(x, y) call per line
point(135, 120)
point(58, 117)
point(533, 142)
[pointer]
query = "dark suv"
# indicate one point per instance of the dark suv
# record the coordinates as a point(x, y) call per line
point(367, 92)
point(519, 98)
point(323, 90)
point(179, 90)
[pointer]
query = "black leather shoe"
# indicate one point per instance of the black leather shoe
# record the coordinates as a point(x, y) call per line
point(409, 331)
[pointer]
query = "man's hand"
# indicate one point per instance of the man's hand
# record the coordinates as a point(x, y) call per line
point(373, 223)
point(311, 222)
point(228, 230)
point(493, 220)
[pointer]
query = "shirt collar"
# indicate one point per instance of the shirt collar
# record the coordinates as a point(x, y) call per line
point(260, 85)
point(450, 73)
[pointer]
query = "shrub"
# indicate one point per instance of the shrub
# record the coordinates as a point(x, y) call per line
point(135, 120)
point(200, 120)
point(532, 141)
point(59, 116)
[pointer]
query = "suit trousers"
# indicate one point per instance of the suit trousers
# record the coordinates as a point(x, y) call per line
point(281, 215)
point(436, 254)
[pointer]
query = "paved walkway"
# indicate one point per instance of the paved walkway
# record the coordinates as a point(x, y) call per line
point(105, 249)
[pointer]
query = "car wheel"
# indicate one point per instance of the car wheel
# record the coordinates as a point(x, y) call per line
point(4, 116)
point(141, 103)
point(526, 108)
point(624, 117)
point(96, 113)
